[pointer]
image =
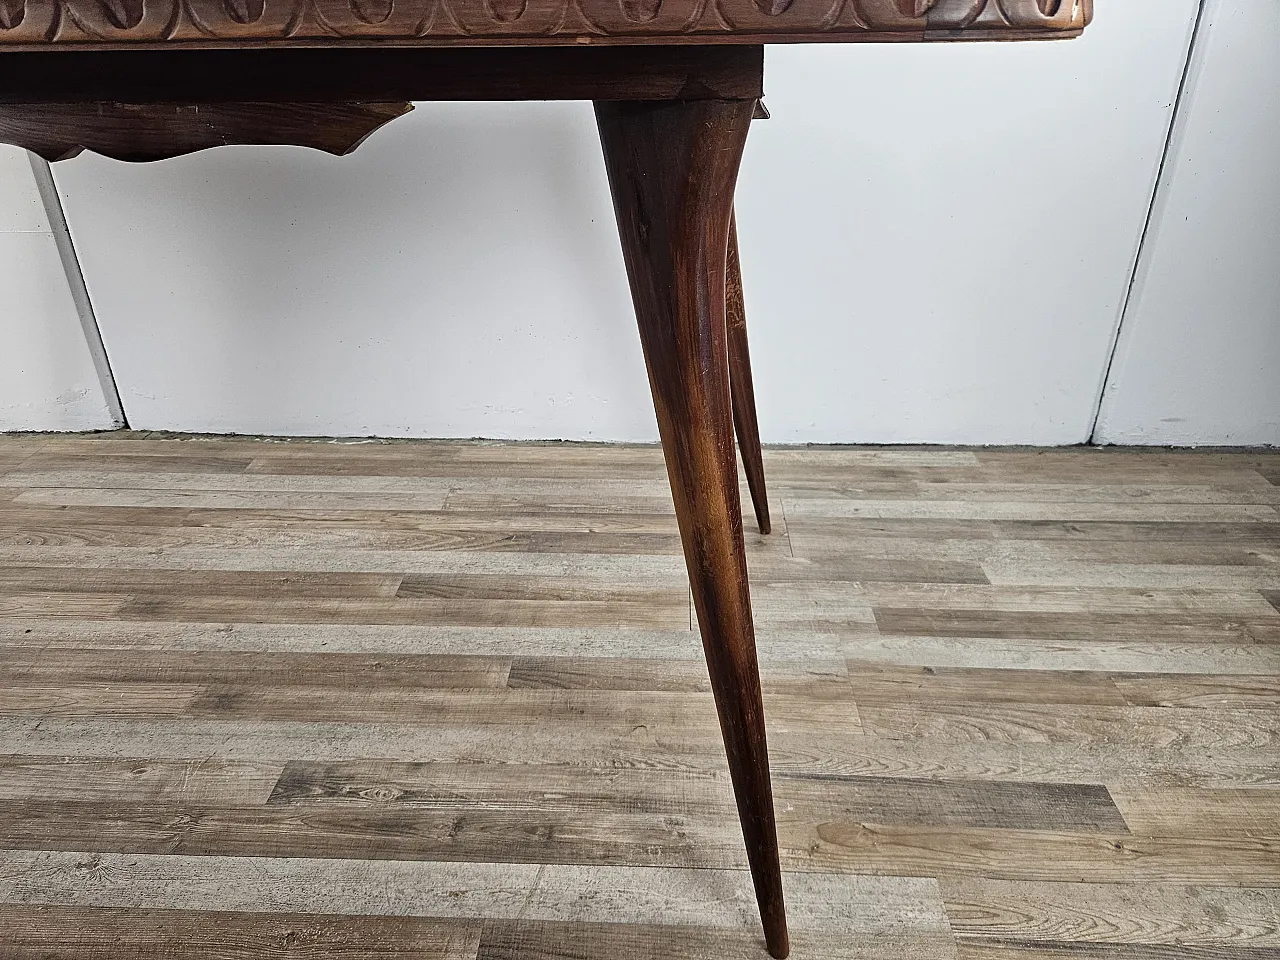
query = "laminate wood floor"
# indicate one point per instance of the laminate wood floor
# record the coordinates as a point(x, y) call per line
point(443, 700)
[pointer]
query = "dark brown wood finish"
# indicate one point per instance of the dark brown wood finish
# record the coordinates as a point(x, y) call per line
point(745, 423)
point(145, 132)
point(672, 169)
point(148, 105)
point(140, 23)
point(289, 75)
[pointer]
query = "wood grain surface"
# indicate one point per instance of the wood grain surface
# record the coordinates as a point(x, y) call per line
point(245, 73)
point(672, 168)
point(444, 701)
point(60, 131)
point(80, 23)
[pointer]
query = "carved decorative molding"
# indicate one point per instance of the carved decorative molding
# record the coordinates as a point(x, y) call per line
point(530, 22)
point(158, 131)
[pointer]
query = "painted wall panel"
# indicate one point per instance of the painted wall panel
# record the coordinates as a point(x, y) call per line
point(947, 262)
point(936, 244)
point(1199, 356)
point(20, 208)
point(47, 379)
point(458, 276)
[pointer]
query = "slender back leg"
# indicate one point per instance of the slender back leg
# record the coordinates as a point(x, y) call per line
point(744, 393)
point(672, 168)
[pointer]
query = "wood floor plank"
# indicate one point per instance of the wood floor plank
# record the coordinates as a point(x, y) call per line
point(430, 491)
point(53, 606)
point(31, 666)
point(1248, 488)
point(12, 455)
point(1078, 625)
point(1119, 531)
point(777, 568)
point(561, 463)
point(377, 888)
point(418, 586)
point(468, 501)
point(812, 677)
point(201, 481)
point(1123, 460)
point(136, 780)
point(1033, 856)
point(1243, 655)
point(1010, 510)
point(678, 643)
point(168, 461)
point(1264, 631)
point(1149, 575)
point(1245, 488)
point(984, 948)
point(136, 519)
point(518, 788)
point(530, 789)
point(848, 905)
point(881, 683)
point(534, 940)
point(816, 471)
point(640, 743)
point(780, 649)
point(446, 699)
point(1245, 602)
point(575, 673)
point(1086, 725)
point(1031, 762)
point(46, 932)
point(813, 607)
point(98, 699)
point(553, 491)
point(890, 801)
point(231, 499)
point(832, 904)
point(815, 541)
point(474, 613)
point(842, 458)
point(381, 831)
point(590, 520)
point(1202, 690)
point(602, 569)
point(661, 712)
point(99, 447)
point(489, 534)
point(337, 535)
point(1156, 914)
point(1190, 812)
point(249, 585)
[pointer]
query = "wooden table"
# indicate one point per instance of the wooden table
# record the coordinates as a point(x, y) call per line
point(675, 85)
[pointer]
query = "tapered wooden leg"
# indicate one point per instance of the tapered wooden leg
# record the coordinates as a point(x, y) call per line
point(672, 168)
point(744, 391)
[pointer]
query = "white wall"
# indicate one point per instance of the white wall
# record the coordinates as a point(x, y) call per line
point(459, 275)
point(936, 243)
point(1199, 356)
point(47, 379)
point(937, 240)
